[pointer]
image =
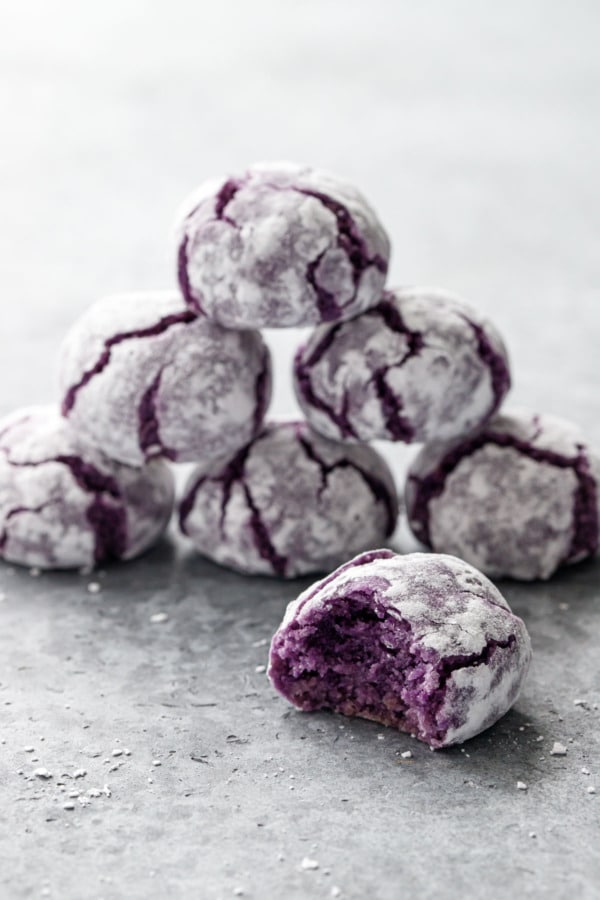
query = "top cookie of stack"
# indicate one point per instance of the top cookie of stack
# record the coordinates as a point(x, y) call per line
point(281, 245)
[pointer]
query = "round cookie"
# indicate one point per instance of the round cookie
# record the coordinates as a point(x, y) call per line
point(64, 504)
point(420, 365)
point(423, 643)
point(143, 376)
point(519, 498)
point(280, 245)
point(290, 503)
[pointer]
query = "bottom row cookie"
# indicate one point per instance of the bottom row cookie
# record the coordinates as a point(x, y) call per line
point(64, 504)
point(518, 498)
point(290, 503)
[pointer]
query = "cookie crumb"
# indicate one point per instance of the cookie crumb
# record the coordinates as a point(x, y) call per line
point(309, 864)
point(42, 773)
point(591, 789)
point(158, 618)
point(558, 749)
point(406, 755)
point(260, 669)
point(94, 587)
point(521, 786)
point(585, 770)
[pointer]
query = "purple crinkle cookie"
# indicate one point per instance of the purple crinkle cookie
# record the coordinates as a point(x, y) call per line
point(519, 498)
point(63, 504)
point(144, 376)
point(280, 245)
point(419, 365)
point(423, 643)
point(290, 503)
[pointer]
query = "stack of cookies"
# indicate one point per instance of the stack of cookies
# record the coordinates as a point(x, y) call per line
point(148, 380)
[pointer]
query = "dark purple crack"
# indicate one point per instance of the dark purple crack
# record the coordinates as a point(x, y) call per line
point(234, 473)
point(148, 425)
point(327, 305)
point(184, 279)
point(377, 487)
point(109, 523)
point(355, 656)
point(398, 426)
point(151, 331)
point(110, 529)
point(224, 198)
point(262, 539)
point(261, 390)
point(585, 538)
point(351, 241)
point(306, 390)
point(495, 362)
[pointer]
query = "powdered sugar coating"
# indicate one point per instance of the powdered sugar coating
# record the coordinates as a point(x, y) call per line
point(423, 642)
point(290, 503)
point(420, 365)
point(143, 376)
point(64, 504)
point(519, 498)
point(280, 245)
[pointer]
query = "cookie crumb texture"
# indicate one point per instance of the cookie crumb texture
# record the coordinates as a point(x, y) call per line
point(520, 498)
point(63, 504)
point(419, 365)
point(290, 503)
point(423, 643)
point(280, 245)
point(144, 376)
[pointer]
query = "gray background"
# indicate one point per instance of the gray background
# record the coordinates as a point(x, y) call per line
point(473, 128)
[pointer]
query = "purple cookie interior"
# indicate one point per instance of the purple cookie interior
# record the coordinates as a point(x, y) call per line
point(356, 656)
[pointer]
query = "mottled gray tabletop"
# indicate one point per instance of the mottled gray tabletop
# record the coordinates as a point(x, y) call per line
point(474, 129)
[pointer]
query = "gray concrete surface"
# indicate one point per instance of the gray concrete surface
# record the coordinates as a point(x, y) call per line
point(474, 128)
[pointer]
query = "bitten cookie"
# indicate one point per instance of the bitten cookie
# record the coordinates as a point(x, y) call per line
point(280, 245)
point(423, 643)
point(519, 498)
point(63, 504)
point(289, 503)
point(143, 376)
point(419, 365)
